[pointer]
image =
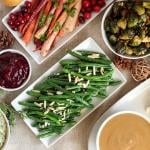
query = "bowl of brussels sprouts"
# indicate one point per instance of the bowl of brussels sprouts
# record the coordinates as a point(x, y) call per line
point(126, 29)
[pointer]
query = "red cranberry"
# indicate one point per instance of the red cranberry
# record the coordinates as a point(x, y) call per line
point(87, 15)
point(89, 9)
point(12, 16)
point(81, 20)
point(96, 8)
point(17, 23)
point(82, 10)
point(86, 3)
point(21, 20)
point(28, 4)
point(19, 14)
point(27, 16)
point(15, 28)
point(24, 9)
point(10, 22)
point(93, 2)
point(101, 3)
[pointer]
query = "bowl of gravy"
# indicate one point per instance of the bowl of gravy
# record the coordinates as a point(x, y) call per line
point(125, 130)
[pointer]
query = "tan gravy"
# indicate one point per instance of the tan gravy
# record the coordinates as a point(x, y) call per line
point(125, 132)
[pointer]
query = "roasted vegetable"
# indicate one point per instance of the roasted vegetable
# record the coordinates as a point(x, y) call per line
point(146, 5)
point(136, 41)
point(113, 39)
point(122, 23)
point(128, 27)
point(132, 20)
point(139, 9)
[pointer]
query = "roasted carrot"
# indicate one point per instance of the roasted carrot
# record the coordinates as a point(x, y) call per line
point(34, 14)
point(71, 21)
point(34, 4)
point(47, 8)
point(56, 15)
point(55, 31)
point(28, 34)
point(48, 43)
point(43, 29)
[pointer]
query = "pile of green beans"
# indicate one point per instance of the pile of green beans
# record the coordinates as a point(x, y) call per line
point(58, 100)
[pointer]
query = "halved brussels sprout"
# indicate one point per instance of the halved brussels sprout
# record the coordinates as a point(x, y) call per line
point(113, 39)
point(146, 39)
point(132, 21)
point(122, 23)
point(146, 5)
point(139, 9)
point(114, 29)
point(136, 41)
point(124, 36)
point(147, 45)
point(129, 50)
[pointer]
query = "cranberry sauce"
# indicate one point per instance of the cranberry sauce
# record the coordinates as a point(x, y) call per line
point(14, 70)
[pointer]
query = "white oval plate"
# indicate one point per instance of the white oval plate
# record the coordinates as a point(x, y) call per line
point(136, 100)
point(88, 44)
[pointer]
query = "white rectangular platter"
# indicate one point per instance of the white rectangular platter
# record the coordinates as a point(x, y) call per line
point(136, 100)
point(30, 47)
point(88, 44)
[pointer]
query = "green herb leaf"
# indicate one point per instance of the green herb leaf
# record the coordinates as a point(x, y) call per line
point(51, 16)
point(57, 27)
point(71, 1)
point(42, 21)
point(43, 37)
point(71, 12)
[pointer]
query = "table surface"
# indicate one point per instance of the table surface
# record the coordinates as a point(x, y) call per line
point(21, 136)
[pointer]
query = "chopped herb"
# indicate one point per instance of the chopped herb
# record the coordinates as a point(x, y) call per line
point(42, 21)
point(43, 37)
point(51, 16)
point(71, 11)
point(57, 27)
point(55, 3)
point(71, 1)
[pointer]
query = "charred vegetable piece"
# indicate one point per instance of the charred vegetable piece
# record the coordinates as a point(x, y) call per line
point(129, 50)
point(132, 21)
point(122, 23)
point(136, 41)
point(113, 39)
point(139, 9)
point(146, 5)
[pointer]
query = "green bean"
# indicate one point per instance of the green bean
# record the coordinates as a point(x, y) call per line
point(84, 58)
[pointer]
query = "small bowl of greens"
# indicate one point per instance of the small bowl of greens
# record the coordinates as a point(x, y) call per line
point(126, 29)
point(4, 130)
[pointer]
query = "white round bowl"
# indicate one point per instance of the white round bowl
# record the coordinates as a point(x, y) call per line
point(8, 131)
point(104, 36)
point(30, 70)
point(111, 117)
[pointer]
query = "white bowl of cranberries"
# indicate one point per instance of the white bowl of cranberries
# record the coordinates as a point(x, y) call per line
point(15, 70)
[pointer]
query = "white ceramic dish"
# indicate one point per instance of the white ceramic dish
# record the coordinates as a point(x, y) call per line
point(111, 117)
point(30, 69)
point(88, 44)
point(107, 12)
point(8, 131)
point(30, 47)
point(136, 100)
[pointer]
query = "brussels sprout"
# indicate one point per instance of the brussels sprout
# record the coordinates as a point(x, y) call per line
point(129, 50)
point(147, 45)
point(140, 10)
point(120, 48)
point(143, 18)
point(107, 26)
point(132, 21)
point(122, 23)
point(113, 39)
point(136, 41)
point(114, 29)
point(131, 33)
point(141, 50)
point(124, 36)
point(146, 39)
point(146, 5)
